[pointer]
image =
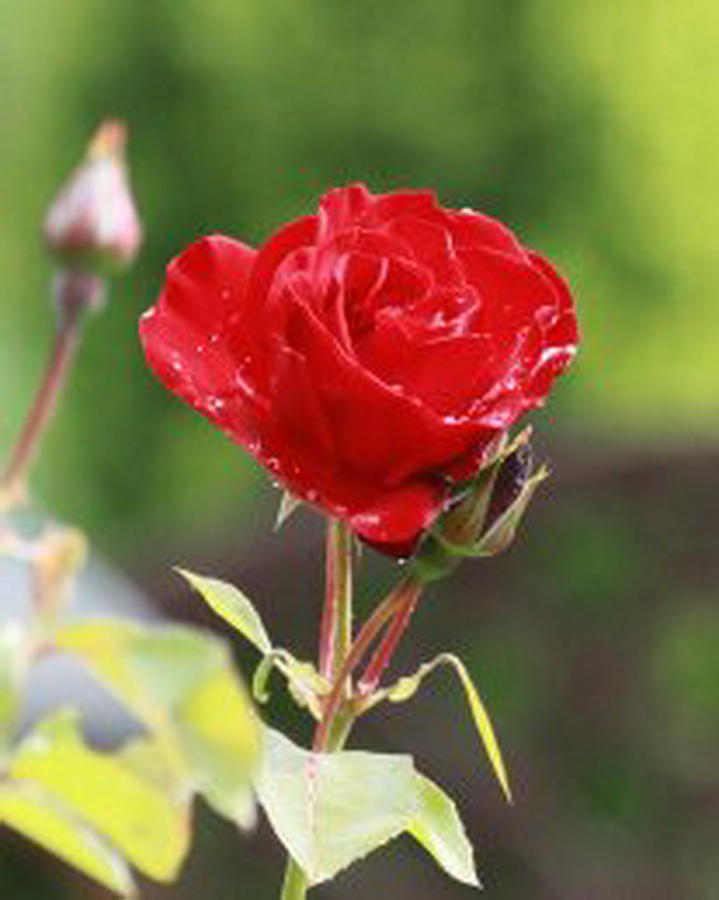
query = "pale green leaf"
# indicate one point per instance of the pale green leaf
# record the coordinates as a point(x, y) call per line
point(233, 606)
point(146, 820)
point(330, 809)
point(437, 826)
point(220, 737)
point(181, 684)
point(29, 810)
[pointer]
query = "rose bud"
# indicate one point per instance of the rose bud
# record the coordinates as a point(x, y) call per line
point(370, 356)
point(93, 225)
point(512, 475)
point(483, 517)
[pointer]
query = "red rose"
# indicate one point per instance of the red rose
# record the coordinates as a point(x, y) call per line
point(366, 355)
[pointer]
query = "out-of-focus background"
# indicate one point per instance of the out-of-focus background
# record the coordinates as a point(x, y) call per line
point(592, 129)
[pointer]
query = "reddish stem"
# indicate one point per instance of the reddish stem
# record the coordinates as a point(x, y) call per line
point(329, 611)
point(386, 649)
point(364, 640)
point(41, 411)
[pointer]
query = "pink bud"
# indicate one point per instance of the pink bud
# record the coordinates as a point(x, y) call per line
point(92, 223)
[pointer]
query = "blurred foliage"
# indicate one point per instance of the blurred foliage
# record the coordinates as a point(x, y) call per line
point(588, 127)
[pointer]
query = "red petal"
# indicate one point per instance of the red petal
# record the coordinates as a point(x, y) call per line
point(208, 282)
point(342, 209)
point(394, 523)
point(511, 292)
point(431, 247)
point(379, 430)
point(470, 228)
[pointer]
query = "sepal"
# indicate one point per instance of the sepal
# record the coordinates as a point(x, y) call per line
point(407, 686)
point(484, 513)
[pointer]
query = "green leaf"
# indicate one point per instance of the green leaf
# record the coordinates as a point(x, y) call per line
point(330, 809)
point(407, 686)
point(41, 818)
point(233, 606)
point(439, 829)
point(145, 819)
point(181, 684)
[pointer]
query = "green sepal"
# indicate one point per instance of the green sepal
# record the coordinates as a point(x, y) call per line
point(501, 533)
point(406, 687)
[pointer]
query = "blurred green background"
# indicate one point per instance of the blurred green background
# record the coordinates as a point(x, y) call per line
point(591, 128)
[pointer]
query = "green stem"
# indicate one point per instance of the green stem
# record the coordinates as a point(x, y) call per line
point(335, 641)
point(364, 640)
point(336, 626)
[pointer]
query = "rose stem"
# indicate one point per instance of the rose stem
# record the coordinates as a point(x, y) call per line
point(387, 646)
point(335, 640)
point(334, 727)
point(336, 625)
point(336, 722)
point(62, 353)
point(362, 643)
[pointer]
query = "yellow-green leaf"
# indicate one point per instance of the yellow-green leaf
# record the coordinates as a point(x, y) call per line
point(233, 606)
point(182, 685)
point(406, 687)
point(330, 809)
point(437, 826)
point(29, 810)
point(482, 722)
point(146, 820)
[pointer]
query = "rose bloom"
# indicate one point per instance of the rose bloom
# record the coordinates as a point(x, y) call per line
point(369, 355)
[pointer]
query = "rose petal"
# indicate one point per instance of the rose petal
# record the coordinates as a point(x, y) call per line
point(380, 431)
point(207, 284)
point(469, 228)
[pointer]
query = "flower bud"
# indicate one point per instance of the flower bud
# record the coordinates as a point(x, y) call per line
point(93, 224)
point(484, 516)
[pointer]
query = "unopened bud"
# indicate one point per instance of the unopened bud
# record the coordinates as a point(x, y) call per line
point(93, 224)
point(484, 517)
point(512, 475)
